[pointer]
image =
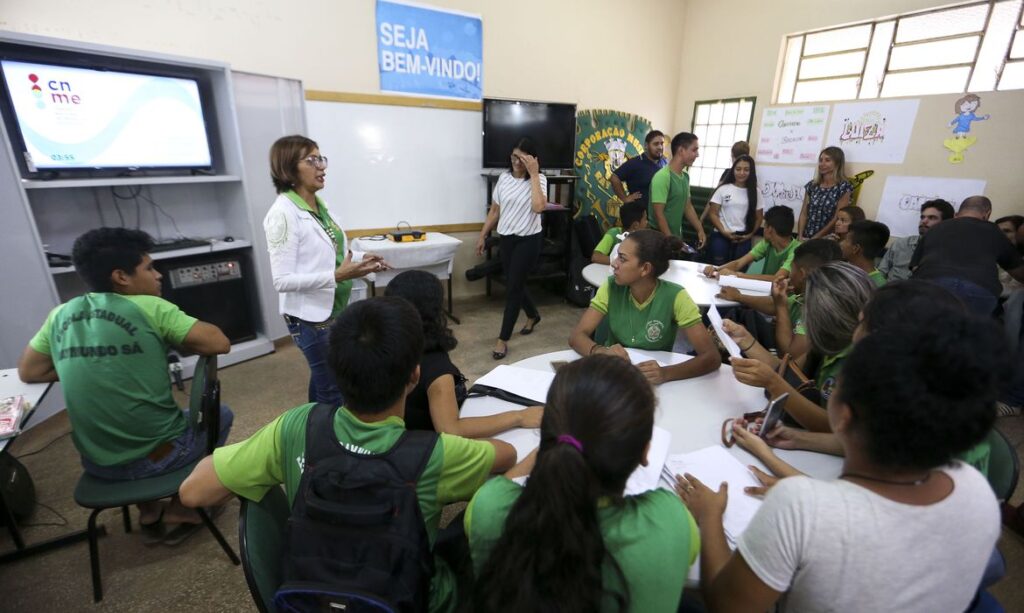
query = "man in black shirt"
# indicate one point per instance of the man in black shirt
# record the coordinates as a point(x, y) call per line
point(962, 254)
point(637, 171)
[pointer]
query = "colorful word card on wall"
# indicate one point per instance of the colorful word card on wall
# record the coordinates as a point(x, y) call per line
point(783, 185)
point(424, 51)
point(877, 131)
point(900, 207)
point(792, 134)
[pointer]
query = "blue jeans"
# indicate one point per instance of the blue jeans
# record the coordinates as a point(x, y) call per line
point(977, 299)
point(188, 448)
point(313, 341)
point(722, 250)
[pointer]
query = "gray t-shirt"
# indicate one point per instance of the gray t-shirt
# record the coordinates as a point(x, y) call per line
point(836, 546)
point(895, 263)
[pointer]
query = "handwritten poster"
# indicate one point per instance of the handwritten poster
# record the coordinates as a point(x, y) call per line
point(900, 207)
point(792, 134)
point(783, 185)
point(877, 131)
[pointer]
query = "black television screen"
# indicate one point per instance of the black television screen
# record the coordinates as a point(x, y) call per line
point(551, 126)
point(85, 118)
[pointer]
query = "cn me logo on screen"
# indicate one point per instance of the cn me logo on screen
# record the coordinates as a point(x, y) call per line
point(60, 92)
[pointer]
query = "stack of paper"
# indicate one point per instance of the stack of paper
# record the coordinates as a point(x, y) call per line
point(750, 285)
point(525, 382)
point(636, 356)
point(646, 478)
point(713, 465)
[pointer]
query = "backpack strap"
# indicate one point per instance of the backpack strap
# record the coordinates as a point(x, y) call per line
point(411, 453)
point(320, 440)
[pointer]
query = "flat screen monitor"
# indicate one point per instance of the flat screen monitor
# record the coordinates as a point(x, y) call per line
point(76, 118)
point(551, 126)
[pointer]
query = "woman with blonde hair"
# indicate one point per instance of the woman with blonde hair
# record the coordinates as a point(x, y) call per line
point(826, 195)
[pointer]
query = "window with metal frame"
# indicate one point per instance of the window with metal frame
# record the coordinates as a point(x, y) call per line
point(718, 124)
point(975, 46)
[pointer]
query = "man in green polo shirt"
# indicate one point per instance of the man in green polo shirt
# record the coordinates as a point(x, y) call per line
point(776, 249)
point(670, 191)
point(108, 348)
point(375, 348)
point(863, 244)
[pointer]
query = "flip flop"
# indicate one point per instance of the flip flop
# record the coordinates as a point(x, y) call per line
point(180, 533)
point(154, 533)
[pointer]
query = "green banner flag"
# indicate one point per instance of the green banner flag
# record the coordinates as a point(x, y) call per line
point(604, 140)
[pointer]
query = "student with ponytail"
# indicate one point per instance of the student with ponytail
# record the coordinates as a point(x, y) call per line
point(645, 312)
point(569, 540)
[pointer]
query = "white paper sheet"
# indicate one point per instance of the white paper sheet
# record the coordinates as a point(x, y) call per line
point(525, 382)
point(637, 356)
point(783, 185)
point(876, 131)
point(713, 465)
point(716, 323)
point(900, 207)
point(646, 478)
point(750, 285)
point(792, 134)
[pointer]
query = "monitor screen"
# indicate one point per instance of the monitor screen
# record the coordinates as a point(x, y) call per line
point(81, 118)
point(551, 126)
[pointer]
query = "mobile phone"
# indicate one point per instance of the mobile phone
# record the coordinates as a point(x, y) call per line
point(772, 415)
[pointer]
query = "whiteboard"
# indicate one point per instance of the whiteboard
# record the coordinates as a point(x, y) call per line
point(399, 163)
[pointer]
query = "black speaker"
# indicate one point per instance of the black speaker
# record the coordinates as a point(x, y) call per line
point(213, 288)
point(18, 490)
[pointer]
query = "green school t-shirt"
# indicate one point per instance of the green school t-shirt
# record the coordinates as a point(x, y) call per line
point(651, 325)
point(773, 258)
point(110, 352)
point(343, 289)
point(672, 190)
point(276, 454)
point(652, 537)
point(829, 372)
point(796, 313)
point(608, 241)
point(877, 276)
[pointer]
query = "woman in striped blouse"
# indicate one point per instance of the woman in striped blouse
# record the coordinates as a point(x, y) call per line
point(519, 198)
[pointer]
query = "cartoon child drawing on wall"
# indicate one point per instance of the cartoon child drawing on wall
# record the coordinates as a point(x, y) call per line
point(961, 125)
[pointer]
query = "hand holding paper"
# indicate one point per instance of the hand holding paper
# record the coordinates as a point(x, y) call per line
point(727, 341)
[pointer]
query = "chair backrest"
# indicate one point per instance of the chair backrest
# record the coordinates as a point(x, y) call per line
point(1003, 465)
point(204, 400)
point(588, 234)
point(261, 536)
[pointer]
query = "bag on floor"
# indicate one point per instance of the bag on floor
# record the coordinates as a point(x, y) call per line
point(356, 541)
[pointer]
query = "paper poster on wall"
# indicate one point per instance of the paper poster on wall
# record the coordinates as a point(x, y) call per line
point(426, 51)
point(902, 197)
point(792, 134)
point(877, 131)
point(961, 125)
point(783, 185)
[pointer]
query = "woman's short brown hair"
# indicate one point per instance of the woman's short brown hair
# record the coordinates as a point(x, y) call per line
point(285, 154)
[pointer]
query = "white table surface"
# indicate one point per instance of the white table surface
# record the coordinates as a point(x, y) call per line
point(692, 410)
point(702, 290)
point(11, 385)
point(435, 254)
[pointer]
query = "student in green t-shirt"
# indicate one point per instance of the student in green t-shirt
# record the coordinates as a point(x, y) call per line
point(108, 348)
point(645, 312)
point(776, 249)
point(375, 348)
point(632, 217)
point(788, 307)
point(863, 244)
point(670, 191)
point(571, 539)
point(835, 295)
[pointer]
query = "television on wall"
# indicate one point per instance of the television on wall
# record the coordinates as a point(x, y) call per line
point(550, 125)
point(68, 120)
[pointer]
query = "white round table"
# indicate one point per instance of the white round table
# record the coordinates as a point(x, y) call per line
point(702, 290)
point(692, 410)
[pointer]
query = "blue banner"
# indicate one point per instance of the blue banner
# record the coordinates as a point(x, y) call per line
point(429, 52)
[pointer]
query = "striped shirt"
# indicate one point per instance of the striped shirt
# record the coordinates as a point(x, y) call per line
point(514, 197)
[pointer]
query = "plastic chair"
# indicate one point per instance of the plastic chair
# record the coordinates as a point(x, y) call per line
point(101, 494)
point(1003, 465)
point(261, 538)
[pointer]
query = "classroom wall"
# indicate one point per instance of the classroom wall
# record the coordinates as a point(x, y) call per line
point(567, 51)
point(754, 32)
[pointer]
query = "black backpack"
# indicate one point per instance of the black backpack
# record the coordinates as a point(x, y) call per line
point(356, 540)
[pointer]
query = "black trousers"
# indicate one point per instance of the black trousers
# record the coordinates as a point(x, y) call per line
point(519, 256)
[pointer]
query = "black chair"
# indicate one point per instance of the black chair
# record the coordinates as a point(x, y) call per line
point(101, 494)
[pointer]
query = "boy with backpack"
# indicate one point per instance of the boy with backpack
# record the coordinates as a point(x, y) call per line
point(366, 494)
